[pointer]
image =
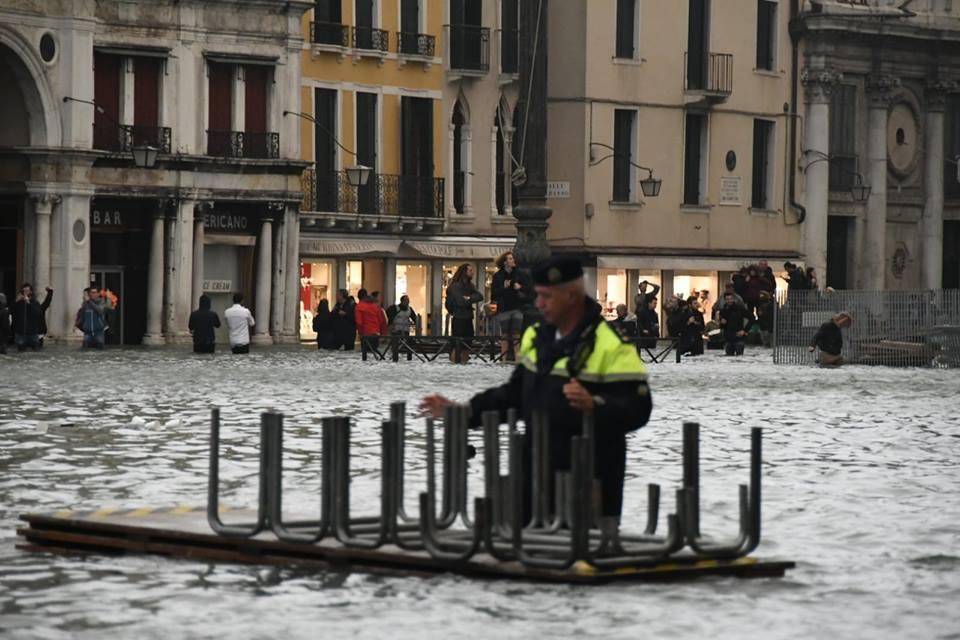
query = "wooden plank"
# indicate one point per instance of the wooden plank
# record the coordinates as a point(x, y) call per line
point(184, 533)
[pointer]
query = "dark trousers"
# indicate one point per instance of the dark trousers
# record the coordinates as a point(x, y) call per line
point(240, 348)
point(734, 347)
point(204, 348)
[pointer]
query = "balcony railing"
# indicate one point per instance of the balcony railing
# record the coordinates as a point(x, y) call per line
point(332, 33)
point(371, 39)
point(712, 76)
point(243, 144)
point(509, 50)
point(469, 47)
point(385, 195)
point(124, 137)
point(416, 44)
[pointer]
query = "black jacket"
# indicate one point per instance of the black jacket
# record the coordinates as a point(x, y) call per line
point(508, 298)
point(324, 325)
point(461, 298)
point(4, 324)
point(765, 311)
point(28, 316)
point(648, 322)
point(533, 388)
point(828, 338)
point(734, 316)
point(202, 323)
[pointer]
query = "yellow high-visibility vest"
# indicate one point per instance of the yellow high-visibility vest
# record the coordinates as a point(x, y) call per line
point(612, 359)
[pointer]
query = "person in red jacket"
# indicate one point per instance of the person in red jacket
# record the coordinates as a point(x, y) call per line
point(371, 320)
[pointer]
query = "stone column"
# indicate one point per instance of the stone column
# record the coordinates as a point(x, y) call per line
point(493, 172)
point(291, 323)
point(261, 331)
point(181, 270)
point(879, 89)
point(633, 281)
point(436, 298)
point(43, 214)
point(278, 281)
point(818, 86)
point(169, 287)
point(932, 225)
point(390, 294)
point(154, 335)
point(69, 260)
point(468, 172)
point(198, 249)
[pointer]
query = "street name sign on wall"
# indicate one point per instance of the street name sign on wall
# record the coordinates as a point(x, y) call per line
point(730, 192)
point(558, 189)
point(217, 286)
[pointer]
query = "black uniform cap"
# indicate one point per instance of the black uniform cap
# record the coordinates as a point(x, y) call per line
point(557, 270)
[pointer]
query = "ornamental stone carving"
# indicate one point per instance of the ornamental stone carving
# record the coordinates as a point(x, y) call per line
point(880, 90)
point(818, 83)
point(935, 93)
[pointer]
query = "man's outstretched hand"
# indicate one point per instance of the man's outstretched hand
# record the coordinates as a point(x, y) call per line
point(434, 405)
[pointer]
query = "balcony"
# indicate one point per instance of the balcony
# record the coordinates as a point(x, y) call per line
point(243, 144)
point(710, 79)
point(385, 201)
point(416, 44)
point(123, 138)
point(371, 40)
point(509, 51)
point(469, 49)
point(330, 34)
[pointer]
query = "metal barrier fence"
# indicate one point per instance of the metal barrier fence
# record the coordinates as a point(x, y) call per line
point(892, 328)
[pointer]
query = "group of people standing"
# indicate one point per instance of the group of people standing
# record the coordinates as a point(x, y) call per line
point(339, 327)
point(204, 322)
point(26, 319)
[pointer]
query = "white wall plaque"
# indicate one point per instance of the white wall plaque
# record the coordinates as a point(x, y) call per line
point(730, 191)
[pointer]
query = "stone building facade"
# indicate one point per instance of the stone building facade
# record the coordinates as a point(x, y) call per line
point(882, 108)
point(205, 83)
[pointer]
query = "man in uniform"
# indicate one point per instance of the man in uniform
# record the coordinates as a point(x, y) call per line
point(572, 363)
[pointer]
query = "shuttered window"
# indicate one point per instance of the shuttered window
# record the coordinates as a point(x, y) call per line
point(624, 125)
point(106, 95)
point(766, 33)
point(843, 137)
point(693, 160)
point(762, 168)
point(626, 28)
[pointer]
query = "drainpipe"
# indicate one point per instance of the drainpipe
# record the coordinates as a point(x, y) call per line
point(796, 31)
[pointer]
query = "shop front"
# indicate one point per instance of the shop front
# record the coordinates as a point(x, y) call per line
point(420, 268)
point(119, 262)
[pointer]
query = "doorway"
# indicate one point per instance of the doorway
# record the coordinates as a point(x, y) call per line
point(111, 279)
point(838, 251)
point(951, 254)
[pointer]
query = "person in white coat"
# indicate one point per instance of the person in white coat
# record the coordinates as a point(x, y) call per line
point(239, 320)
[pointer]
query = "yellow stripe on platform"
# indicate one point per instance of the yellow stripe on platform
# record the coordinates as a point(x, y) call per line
point(707, 564)
point(139, 513)
point(583, 568)
point(102, 513)
point(63, 513)
point(182, 510)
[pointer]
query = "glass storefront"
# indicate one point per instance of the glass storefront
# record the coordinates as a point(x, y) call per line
point(317, 282)
point(413, 280)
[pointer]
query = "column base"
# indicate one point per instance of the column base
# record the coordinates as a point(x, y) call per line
point(154, 340)
point(287, 338)
point(262, 339)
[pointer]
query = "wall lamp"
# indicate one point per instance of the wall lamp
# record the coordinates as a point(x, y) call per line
point(860, 190)
point(357, 175)
point(144, 155)
point(650, 186)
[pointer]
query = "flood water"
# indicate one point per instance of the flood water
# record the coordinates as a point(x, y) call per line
point(861, 489)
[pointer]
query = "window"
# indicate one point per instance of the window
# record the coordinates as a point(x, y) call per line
point(325, 148)
point(694, 160)
point(624, 138)
point(366, 148)
point(951, 148)
point(763, 149)
point(106, 94)
point(327, 26)
point(509, 36)
point(416, 161)
point(236, 132)
point(698, 44)
point(626, 29)
point(460, 152)
point(766, 34)
point(220, 117)
point(843, 137)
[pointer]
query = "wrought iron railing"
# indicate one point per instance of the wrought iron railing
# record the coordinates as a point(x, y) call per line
point(894, 328)
point(124, 137)
point(714, 75)
point(332, 33)
point(469, 47)
point(243, 144)
point(416, 44)
point(389, 195)
point(509, 51)
point(371, 39)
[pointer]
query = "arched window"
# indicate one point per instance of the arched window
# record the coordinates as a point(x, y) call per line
point(460, 162)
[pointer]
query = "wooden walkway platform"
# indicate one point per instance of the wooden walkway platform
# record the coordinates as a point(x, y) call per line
point(183, 532)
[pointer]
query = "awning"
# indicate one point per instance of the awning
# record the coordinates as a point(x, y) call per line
point(462, 250)
point(681, 264)
point(344, 247)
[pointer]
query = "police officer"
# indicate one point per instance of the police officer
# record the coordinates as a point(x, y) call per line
point(571, 363)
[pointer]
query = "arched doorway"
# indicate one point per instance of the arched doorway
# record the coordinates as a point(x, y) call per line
point(22, 124)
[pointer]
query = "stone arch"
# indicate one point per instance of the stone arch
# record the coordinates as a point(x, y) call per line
point(32, 100)
point(461, 161)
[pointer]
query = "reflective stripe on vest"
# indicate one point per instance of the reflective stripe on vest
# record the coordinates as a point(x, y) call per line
point(612, 360)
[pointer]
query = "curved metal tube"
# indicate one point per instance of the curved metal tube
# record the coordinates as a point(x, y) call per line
point(398, 414)
point(445, 550)
point(630, 557)
point(342, 491)
point(213, 487)
point(714, 550)
point(273, 422)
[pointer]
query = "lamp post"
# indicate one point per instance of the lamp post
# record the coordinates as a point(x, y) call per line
point(650, 186)
point(144, 156)
point(358, 174)
point(532, 212)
